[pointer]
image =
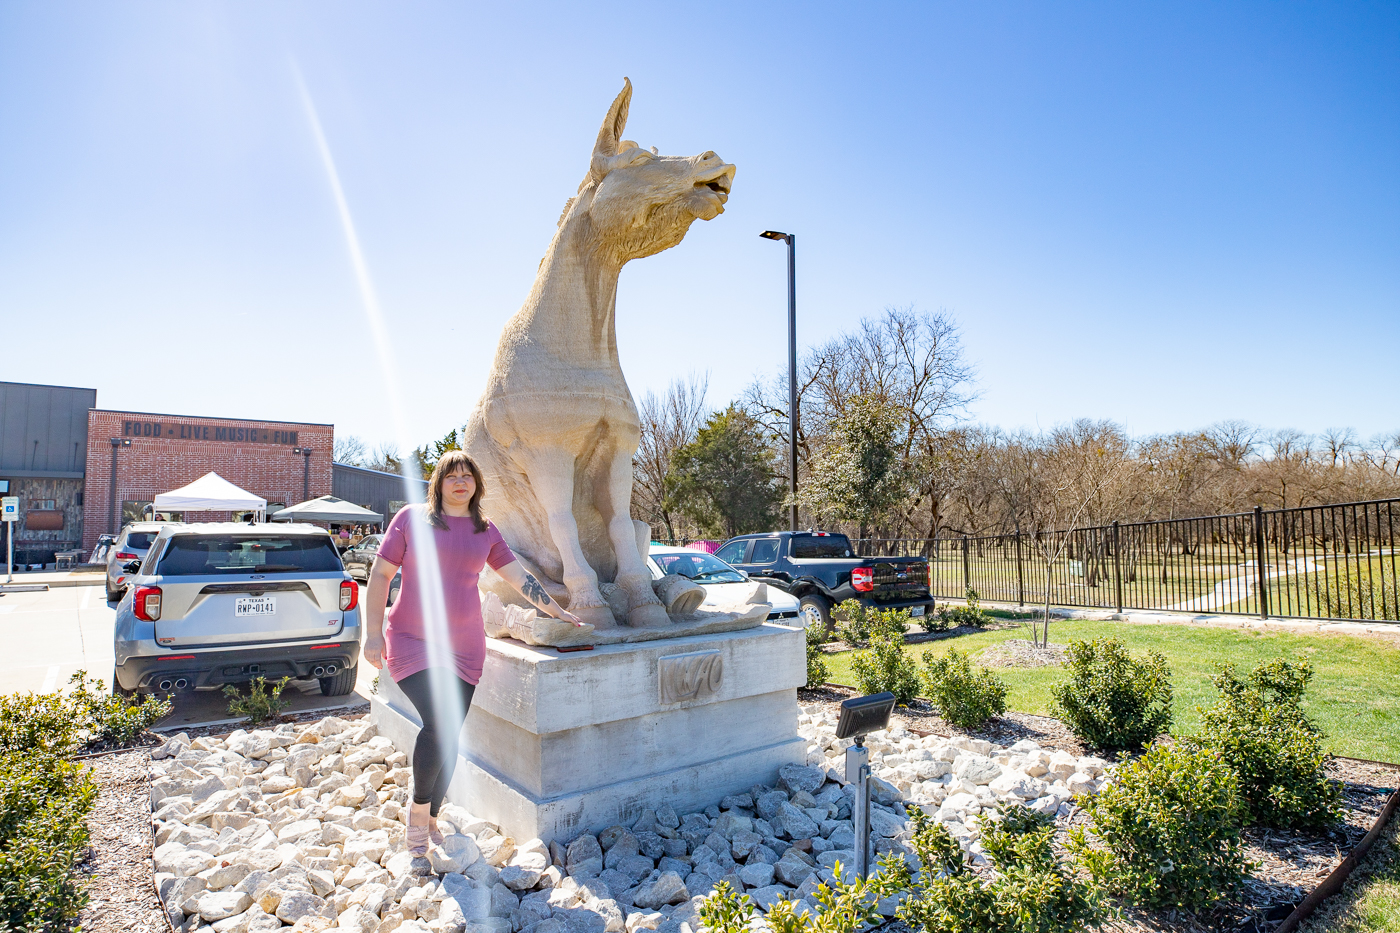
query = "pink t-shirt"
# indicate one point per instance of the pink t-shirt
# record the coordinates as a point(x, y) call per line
point(462, 553)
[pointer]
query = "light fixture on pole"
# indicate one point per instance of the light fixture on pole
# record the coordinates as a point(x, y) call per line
point(859, 716)
point(306, 472)
point(791, 241)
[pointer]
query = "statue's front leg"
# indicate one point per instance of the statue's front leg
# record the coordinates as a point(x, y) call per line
point(633, 576)
point(552, 479)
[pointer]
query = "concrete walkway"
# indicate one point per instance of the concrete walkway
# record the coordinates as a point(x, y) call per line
point(1388, 630)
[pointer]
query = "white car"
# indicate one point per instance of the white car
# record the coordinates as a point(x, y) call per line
point(712, 573)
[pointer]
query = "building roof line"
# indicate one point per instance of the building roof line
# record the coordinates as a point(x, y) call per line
point(166, 414)
point(45, 385)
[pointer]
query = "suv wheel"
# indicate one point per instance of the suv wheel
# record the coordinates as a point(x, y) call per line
point(113, 596)
point(815, 612)
point(339, 685)
point(117, 689)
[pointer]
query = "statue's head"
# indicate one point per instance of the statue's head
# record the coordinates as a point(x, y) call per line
point(639, 202)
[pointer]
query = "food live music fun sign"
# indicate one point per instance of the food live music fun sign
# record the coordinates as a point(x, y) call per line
point(231, 434)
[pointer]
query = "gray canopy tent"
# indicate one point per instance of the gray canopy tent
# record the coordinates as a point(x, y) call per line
point(327, 509)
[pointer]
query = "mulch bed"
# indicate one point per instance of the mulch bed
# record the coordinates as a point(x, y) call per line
point(1291, 863)
point(117, 869)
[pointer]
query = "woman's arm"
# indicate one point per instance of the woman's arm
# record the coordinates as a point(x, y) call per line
point(518, 577)
point(376, 598)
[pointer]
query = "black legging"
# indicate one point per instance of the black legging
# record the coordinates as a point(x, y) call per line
point(435, 752)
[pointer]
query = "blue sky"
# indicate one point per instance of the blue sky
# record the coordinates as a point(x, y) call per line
point(1163, 214)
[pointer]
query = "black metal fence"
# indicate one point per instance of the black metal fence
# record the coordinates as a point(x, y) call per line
point(1325, 562)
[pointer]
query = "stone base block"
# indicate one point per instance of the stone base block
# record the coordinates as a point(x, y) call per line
point(560, 744)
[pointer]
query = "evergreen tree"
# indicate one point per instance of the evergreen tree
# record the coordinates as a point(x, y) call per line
point(724, 480)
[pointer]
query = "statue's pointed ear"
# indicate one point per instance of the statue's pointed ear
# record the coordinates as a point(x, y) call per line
point(610, 133)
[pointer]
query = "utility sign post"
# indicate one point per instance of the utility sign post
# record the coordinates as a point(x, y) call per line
point(9, 514)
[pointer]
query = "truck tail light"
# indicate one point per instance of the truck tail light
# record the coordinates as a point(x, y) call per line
point(349, 595)
point(863, 579)
point(930, 577)
point(127, 555)
point(146, 603)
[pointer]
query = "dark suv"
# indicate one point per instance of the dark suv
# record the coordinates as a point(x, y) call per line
point(822, 569)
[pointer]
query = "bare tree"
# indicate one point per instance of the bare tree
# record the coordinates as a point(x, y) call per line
point(668, 423)
point(909, 360)
point(385, 458)
point(350, 449)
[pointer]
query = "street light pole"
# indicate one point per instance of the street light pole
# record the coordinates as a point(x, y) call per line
point(791, 241)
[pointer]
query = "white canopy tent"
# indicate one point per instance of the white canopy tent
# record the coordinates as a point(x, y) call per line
point(210, 493)
point(328, 509)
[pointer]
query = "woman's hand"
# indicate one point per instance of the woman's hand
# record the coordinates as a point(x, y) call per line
point(374, 651)
point(564, 615)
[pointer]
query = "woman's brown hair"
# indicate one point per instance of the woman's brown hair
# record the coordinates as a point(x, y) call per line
point(450, 463)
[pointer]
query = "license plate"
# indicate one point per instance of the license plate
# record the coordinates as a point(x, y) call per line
point(255, 606)
point(917, 611)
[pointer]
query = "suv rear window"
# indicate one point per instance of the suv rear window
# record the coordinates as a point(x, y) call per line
point(188, 555)
point(812, 546)
point(140, 539)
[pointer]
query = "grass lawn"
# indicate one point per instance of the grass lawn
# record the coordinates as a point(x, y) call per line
point(1354, 695)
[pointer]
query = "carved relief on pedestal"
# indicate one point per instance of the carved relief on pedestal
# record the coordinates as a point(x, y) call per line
point(692, 676)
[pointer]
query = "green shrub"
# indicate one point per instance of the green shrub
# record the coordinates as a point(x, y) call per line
point(42, 723)
point(885, 666)
point(261, 703)
point(949, 616)
point(1165, 832)
point(1259, 729)
point(965, 697)
point(817, 672)
point(858, 625)
point(112, 718)
point(842, 907)
point(1029, 890)
point(1113, 700)
point(44, 803)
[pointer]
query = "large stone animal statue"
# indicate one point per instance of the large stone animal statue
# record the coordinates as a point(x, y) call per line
point(556, 428)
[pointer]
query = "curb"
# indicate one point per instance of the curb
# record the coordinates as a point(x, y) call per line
point(1333, 882)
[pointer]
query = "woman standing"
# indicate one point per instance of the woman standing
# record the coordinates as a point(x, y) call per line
point(438, 673)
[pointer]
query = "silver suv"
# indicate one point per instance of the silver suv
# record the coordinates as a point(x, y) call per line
point(223, 603)
point(131, 544)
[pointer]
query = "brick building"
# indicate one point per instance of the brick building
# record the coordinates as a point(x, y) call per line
point(134, 456)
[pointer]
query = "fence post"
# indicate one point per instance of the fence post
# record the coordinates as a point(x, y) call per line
point(1117, 570)
point(1020, 579)
point(967, 570)
point(1262, 573)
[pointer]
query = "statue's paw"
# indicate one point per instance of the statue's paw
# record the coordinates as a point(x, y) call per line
point(596, 616)
point(648, 616)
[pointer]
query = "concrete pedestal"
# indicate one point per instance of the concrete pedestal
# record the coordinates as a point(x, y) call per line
point(558, 744)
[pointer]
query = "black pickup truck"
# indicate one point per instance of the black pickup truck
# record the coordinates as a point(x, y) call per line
point(822, 569)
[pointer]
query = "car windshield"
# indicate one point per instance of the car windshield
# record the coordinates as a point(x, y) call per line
point(188, 555)
point(820, 546)
point(702, 568)
point(140, 540)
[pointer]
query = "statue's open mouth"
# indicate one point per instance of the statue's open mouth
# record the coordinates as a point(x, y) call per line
point(719, 184)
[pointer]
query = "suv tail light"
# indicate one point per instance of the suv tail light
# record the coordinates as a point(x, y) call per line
point(930, 577)
point(146, 603)
point(127, 555)
point(349, 595)
point(863, 579)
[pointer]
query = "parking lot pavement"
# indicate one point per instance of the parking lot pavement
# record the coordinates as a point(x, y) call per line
point(46, 637)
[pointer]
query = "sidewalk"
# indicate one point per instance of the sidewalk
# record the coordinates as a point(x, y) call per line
point(53, 578)
point(1213, 620)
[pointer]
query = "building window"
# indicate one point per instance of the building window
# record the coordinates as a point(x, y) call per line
point(394, 506)
point(137, 510)
point(42, 505)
